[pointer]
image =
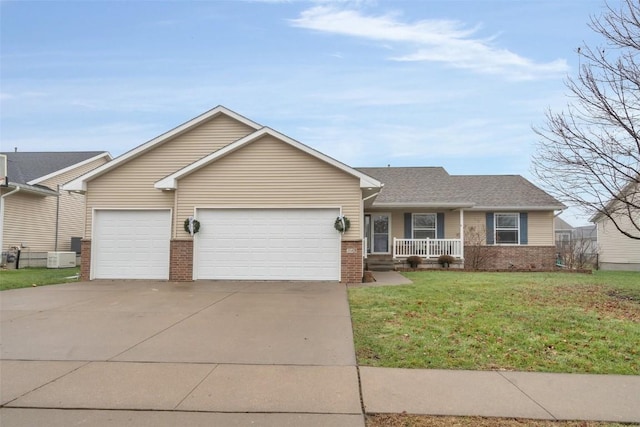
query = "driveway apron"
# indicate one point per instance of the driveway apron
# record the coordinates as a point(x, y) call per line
point(231, 353)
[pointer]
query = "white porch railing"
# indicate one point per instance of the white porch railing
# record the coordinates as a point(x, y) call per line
point(427, 248)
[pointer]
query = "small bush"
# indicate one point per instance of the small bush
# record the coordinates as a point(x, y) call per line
point(414, 261)
point(446, 260)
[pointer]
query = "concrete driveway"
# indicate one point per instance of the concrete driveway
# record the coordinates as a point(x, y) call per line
point(224, 353)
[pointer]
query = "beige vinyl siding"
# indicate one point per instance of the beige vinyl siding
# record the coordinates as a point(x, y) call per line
point(478, 221)
point(541, 228)
point(615, 247)
point(71, 205)
point(29, 220)
point(270, 173)
point(131, 185)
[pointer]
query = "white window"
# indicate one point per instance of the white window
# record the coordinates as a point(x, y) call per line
point(507, 228)
point(424, 226)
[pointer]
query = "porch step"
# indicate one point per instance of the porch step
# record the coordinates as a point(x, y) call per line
point(380, 264)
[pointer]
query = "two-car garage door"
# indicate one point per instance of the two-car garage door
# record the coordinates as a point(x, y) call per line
point(233, 244)
point(267, 244)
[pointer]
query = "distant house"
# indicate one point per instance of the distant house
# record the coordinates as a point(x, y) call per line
point(616, 250)
point(34, 214)
point(271, 208)
point(577, 247)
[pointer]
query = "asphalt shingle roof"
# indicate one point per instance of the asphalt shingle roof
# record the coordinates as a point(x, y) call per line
point(433, 185)
point(23, 167)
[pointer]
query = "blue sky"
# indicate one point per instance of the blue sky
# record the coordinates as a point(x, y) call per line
point(449, 83)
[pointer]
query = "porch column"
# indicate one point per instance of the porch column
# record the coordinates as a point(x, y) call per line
point(462, 233)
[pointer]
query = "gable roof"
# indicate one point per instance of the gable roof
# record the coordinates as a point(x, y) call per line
point(434, 187)
point(171, 182)
point(29, 169)
point(80, 183)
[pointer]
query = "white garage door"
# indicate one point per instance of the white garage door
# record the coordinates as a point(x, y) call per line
point(131, 244)
point(267, 244)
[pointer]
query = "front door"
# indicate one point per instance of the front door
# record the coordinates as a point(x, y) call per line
point(380, 225)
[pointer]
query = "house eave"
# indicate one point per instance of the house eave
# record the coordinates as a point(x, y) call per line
point(32, 189)
point(519, 208)
point(404, 205)
point(69, 168)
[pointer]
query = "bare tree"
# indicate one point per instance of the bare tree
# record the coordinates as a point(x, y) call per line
point(476, 253)
point(589, 154)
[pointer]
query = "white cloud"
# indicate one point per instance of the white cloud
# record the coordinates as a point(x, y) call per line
point(446, 41)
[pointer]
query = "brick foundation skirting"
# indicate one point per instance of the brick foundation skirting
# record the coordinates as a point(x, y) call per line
point(351, 261)
point(85, 259)
point(513, 257)
point(181, 261)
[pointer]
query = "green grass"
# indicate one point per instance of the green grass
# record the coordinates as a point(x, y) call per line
point(27, 277)
point(545, 322)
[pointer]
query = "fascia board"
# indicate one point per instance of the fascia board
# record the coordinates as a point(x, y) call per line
point(69, 168)
point(423, 205)
point(79, 184)
point(519, 208)
point(34, 190)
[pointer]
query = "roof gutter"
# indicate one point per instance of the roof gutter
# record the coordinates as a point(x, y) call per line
point(31, 189)
point(519, 208)
point(447, 205)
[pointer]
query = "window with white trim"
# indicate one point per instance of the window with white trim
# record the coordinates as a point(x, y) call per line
point(507, 228)
point(424, 226)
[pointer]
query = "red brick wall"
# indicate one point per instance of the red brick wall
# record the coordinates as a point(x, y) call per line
point(181, 261)
point(351, 261)
point(85, 259)
point(518, 257)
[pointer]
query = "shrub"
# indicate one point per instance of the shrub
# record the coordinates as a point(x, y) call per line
point(414, 261)
point(446, 260)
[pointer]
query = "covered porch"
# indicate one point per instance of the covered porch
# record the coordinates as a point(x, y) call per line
point(427, 233)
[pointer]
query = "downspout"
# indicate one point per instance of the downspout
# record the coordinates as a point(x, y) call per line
point(462, 233)
point(55, 245)
point(2, 215)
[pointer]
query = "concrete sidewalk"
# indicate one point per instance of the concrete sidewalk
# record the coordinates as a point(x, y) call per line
point(502, 394)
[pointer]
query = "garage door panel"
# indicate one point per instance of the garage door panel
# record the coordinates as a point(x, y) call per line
point(270, 244)
point(131, 244)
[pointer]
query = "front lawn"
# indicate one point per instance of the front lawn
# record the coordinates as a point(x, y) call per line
point(545, 322)
point(25, 277)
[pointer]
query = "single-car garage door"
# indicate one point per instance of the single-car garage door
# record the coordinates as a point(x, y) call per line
point(267, 244)
point(131, 244)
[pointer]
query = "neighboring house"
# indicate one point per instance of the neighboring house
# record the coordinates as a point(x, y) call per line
point(577, 247)
point(267, 206)
point(34, 214)
point(616, 250)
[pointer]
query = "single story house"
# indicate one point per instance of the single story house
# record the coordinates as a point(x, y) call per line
point(267, 207)
point(34, 214)
point(618, 251)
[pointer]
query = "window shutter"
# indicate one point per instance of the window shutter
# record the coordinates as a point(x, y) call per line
point(407, 225)
point(440, 225)
point(524, 228)
point(490, 233)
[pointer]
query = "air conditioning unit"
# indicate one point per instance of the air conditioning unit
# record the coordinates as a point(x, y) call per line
point(61, 259)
